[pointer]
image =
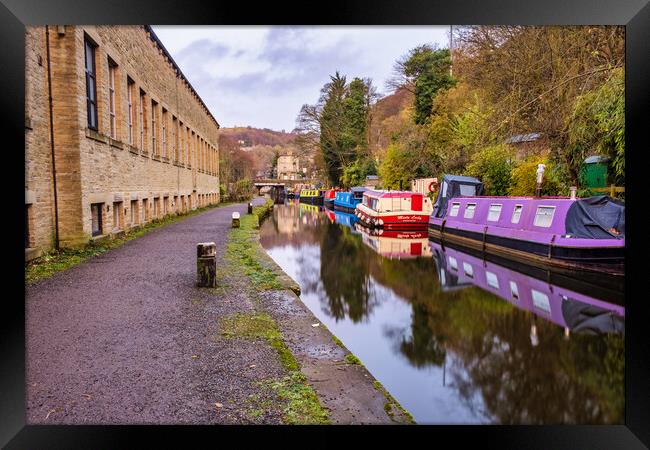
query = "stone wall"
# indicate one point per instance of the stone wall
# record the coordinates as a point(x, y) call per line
point(122, 171)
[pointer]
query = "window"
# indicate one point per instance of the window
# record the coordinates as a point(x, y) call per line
point(130, 85)
point(164, 133)
point(494, 212)
point(467, 190)
point(453, 263)
point(540, 300)
point(154, 111)
point(444, 189)
point(142, 120)
point(544, 216)
point(492, 280)
point(514, 290)
point(165, 205)
point(453, 212)
point(145, 205)
point(469, 270)
point(91, 83)
point(516, 214)
point(96, 214)
point(469, 210)
point(112, 68)
point(174, 138)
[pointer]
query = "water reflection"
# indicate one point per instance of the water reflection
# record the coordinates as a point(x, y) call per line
point(450, 346)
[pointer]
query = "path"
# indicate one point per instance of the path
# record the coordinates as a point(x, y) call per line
point(126, 337)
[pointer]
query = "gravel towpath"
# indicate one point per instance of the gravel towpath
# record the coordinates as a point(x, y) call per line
point(127, 338)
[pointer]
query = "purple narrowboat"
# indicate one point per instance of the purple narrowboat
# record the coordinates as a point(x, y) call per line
point(587, 234)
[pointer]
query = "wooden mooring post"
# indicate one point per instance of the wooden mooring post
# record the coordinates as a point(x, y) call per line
point(250, 208)
point(235, 219)
point(206, 264)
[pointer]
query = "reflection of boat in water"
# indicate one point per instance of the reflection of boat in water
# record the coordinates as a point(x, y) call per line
point(310, 208)
point(395, 244)
point(345, 219)
point(557, 303)
point(568, 233)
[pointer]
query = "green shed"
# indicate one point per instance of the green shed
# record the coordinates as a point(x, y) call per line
point(593, 173)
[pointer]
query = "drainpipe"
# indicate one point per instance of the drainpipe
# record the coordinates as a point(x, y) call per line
point(49, 89)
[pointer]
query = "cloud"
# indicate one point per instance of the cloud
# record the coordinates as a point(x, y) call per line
point(261, 76)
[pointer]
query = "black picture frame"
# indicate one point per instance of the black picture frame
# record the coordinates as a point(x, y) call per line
point(634, 14)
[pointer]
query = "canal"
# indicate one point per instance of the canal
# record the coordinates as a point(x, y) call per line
point(456, 338)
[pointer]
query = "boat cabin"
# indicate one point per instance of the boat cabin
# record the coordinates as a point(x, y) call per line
point(396, 201)
point(455, 186)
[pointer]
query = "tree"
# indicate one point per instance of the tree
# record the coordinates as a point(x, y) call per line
point(597, 126)
point(423, 71)
point(338, 124)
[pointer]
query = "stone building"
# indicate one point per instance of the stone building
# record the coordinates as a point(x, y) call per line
point(125, 138)
point(288, 167)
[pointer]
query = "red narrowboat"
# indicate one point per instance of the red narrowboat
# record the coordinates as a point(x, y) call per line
point(394, 210)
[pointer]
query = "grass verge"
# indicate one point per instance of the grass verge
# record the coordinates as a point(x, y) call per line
point(300, 404)
point(243, 251)
point(57, 261)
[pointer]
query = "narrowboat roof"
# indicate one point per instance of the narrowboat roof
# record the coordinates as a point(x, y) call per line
point(391, 194)
point(358, 189)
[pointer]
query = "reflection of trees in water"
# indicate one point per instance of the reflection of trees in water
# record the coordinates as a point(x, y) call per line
point(423, 347)
point(344, 273)
point(579, 380)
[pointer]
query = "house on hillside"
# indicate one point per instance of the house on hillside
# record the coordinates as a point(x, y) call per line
point(372, 181)
point(288, 167)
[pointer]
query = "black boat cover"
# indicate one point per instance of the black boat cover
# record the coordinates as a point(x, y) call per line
point(599, 217)
point(455, 186)
point(590, 319)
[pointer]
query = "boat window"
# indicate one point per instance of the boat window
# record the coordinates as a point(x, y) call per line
point(467, 190)
point(453, 263)
point(454, 209)
point(516, 214)
point(492, 280)
point(443, 279)
point(540, 300)
point(469, 270)
point(494, 213)
point(514, 290)
point(469, 210)
point(544, 216)
point(444, 189)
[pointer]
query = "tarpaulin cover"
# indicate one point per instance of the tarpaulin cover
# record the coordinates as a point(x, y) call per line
point(593, 217)
point(590, 319)
point(457, 186)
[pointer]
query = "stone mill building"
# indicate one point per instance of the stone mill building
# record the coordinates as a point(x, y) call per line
point(115, 135)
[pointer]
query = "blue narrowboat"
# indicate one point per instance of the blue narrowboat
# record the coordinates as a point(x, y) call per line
point(348, 201)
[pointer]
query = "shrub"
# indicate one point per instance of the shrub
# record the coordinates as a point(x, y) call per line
point(524, 178)
point(493, 165)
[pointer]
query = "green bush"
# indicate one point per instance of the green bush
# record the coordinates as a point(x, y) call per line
point(524, 178)
point(493, 165)
point(241, 190)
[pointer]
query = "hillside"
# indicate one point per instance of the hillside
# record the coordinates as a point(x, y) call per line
point(258, 136)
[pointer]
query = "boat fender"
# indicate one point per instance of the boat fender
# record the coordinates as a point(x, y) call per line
point(432, 186)
point(442, 228)
point(550, 246)
point(484, 236)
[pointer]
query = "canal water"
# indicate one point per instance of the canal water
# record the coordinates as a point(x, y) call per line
point(453, 337)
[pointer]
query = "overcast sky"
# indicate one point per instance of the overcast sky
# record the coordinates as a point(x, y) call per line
point(261, 76)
